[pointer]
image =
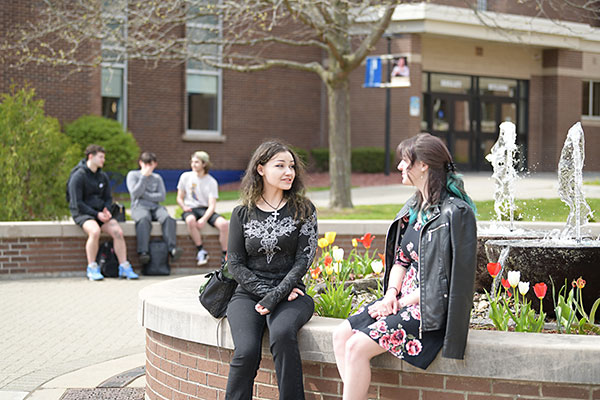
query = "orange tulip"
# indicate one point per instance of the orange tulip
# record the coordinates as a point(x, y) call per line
point(580, 283)
point(328, 260)
point(314, 273)
point(366, 240)
point(505, 284)
point(494, 269)
point(382, 256)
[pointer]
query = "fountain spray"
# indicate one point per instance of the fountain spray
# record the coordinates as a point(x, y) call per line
point(502, 158)
point(570, 182)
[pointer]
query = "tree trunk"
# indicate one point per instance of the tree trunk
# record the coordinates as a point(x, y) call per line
point(338, 99)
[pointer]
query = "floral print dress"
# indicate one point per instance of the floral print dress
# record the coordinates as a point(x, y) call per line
point(399, 333)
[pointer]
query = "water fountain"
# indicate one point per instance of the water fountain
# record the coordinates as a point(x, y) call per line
point(503, 158)
point(565, 254)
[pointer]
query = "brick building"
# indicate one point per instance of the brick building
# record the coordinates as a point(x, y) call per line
point(466, 77)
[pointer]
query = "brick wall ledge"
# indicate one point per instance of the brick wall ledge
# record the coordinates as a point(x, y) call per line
point(56, 248)
point(171, 310)
point(342, 227)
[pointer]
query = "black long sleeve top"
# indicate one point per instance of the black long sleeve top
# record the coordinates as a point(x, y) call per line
point(89, 192)
point(269, 252)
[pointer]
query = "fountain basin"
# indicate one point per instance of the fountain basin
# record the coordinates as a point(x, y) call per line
point(539, 259)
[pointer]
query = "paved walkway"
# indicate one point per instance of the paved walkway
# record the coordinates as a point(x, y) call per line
point(60, 334)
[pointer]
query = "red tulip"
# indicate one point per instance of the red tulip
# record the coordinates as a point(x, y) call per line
point(540, 290)
point(382, 256)
point(580, 283)
point(494, 269)
point(505, 284)
point(328, 260)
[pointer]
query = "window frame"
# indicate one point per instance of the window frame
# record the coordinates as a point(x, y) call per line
point(122, 65)
point(205, 134)
point(590, 107)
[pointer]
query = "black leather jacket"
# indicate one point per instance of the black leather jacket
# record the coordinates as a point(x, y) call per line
point(447, 263)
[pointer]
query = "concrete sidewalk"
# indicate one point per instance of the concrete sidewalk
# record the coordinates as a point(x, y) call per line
point(69, 333)
point(61, 338)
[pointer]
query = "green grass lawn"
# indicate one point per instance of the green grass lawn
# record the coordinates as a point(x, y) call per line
point(551, 210)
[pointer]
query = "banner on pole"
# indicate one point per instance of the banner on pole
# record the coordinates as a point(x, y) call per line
point(400, 72)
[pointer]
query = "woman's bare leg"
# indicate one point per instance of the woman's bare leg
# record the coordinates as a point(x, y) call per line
point(340, 336)
point(357, 370)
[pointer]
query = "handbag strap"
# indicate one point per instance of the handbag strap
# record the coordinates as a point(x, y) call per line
point(218, 344)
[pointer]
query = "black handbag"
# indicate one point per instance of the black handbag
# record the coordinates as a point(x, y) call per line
point(216, 291)
point(118, 212)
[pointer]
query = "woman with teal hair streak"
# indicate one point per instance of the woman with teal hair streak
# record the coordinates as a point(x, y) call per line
point(430, 259)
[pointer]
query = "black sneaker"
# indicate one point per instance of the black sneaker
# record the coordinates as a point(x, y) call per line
point(176, 253)
point(144, 258)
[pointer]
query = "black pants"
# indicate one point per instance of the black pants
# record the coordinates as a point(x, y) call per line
point(247, 328)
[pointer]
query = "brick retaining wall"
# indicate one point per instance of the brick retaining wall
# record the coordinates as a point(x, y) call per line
point(57, 248)
point(181, 370)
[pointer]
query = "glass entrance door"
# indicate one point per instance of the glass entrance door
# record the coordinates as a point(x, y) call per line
point(466, 111)
point(451, 121)
point(492, 114)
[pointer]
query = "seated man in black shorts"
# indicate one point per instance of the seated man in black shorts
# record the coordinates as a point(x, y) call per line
point(197, 194)
point(89, 201)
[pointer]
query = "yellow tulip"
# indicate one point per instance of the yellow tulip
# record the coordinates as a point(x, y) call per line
point(323, 243)
point(330, 236)
point(329, 269)
point(354, 242)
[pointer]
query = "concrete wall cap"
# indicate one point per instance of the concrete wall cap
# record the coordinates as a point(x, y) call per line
point(172, 308)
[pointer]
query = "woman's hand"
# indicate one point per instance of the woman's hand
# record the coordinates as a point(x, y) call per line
point(384, 307)
point(294, 294)
point(261, 310)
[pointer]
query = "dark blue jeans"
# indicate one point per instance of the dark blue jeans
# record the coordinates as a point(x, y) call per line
point(247, 329)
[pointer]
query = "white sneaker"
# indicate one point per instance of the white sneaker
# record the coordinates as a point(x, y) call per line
point(202, 257)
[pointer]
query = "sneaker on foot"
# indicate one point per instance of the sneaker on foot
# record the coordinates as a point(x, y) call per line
point(127, 272)
point(202, 257)
point(144, 258)
point(93, 272)
point(176, 253)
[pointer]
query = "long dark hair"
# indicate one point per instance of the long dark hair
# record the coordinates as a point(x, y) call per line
point(441, 177)
point(252, 184)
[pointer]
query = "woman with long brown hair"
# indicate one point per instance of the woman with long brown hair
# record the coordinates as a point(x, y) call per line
point(430, 258)
point(272, 242)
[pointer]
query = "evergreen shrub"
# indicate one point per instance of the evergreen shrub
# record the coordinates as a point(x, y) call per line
point(35, 159)
point(122, 150)
point(320, 156)
point(364, 159)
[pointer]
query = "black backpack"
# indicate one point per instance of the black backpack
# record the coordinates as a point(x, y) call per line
point(159, 259)
point(107, 260)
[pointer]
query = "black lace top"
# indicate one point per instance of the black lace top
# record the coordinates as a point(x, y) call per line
point(269, 252)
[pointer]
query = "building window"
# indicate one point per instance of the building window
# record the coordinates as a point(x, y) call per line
point(590, 101)
point(112, 93)
point(203, 82)
point(114, 64)
point(482, 5)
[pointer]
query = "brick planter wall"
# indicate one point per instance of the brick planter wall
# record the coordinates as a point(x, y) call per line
point(57, 248)
point(182, 370)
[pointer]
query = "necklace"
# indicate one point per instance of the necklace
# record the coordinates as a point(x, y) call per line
point(275, 213)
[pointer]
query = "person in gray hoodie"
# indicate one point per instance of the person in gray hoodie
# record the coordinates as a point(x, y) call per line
point(147, 190)
point(89, 202)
